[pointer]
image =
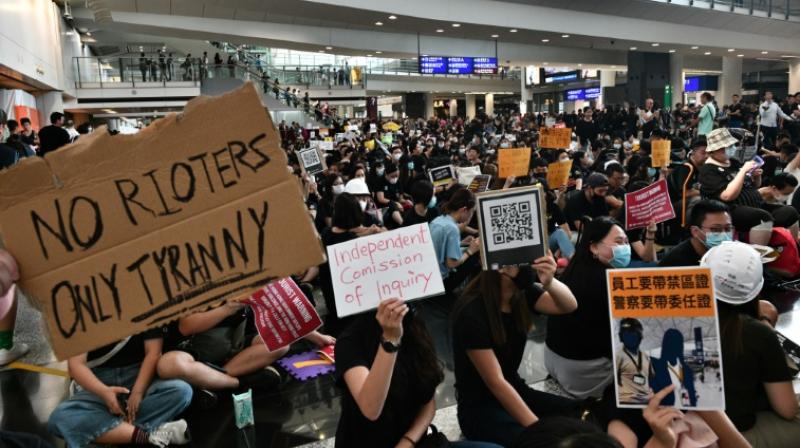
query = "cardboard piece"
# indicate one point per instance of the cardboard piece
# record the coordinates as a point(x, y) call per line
point(465, 174)
point(282, 313)
point(115, 235)
point(441, 175)
point(513, 162)
point(512, 226)
point(401, 263)
point(679, 338)
point(480, 183)
point(558, 174)
point(651, 203)
point(660, 153)
point(311, 162)
point(555, 138)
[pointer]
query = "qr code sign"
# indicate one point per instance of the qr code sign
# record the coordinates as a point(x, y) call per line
point(511, 224)
point(310, 158)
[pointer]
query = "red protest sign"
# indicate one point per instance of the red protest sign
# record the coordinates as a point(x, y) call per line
point(648, 204)
point(283, 314)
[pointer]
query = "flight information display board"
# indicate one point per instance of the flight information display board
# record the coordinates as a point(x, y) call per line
point(457, 65)
point(432, 65)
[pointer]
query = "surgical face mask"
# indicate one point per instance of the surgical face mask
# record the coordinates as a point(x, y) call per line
point(396, 156)
point(621, 257)
point(392, 180)
point(338, 189)
point(410, 166)
point(432, 202)
point(490, 151)
point(617, 146)
point(714, 239)
point(380, 171)
point(440, 144)
point(363, 205)
point(505, 145)
point(730, 151)
point(652, 172)
point(462, 150)
point(627, 145)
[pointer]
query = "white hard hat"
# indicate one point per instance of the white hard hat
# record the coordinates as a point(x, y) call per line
point(356, 187)
point(737, 272)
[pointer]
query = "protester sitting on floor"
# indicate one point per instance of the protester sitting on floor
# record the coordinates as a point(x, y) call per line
point(759, 396)
point(709, 226)
point(424, 209)
point(388, 371)
point(578, 344)
point(491, 322)
point(118, 400)
point(221, 349)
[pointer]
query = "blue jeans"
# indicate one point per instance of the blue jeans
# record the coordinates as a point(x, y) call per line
point(560, 240)
point(84, 417)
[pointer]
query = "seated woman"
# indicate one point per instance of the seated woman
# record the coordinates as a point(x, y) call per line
point(491, 322)
point(578, 344)
point(127, 369)
point(424, 209)
point(388, 370)
point(759, 396)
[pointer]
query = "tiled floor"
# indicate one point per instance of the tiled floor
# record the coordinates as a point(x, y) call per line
point(301, 414)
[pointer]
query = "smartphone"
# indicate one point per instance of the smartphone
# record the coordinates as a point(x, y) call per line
point(759, 163)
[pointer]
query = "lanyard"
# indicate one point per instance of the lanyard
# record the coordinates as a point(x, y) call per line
point(678, 374)
point(639, 364)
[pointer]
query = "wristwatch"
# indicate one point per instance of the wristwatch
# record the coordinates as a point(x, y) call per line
point(389, 346)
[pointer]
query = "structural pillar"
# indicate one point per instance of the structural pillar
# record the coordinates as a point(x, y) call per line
point(470, 100)
point(730, 80)
point(48, 103)
point(608, 78)
point(676, 80)
point(489, 103)
point(526, 93)
point(453, 108)
point(428, 105)
point(794, 76)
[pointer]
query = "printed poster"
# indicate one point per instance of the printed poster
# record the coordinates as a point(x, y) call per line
point(282, 313)
point(311, 162)
point(441, 175)
point(665, 331)
point(651, 203)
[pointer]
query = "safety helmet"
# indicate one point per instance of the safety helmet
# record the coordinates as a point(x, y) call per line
point(736, 270)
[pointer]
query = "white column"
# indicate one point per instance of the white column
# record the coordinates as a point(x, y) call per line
point(428, 105)
point(48, 103)
point(453, 107)
point(489, 103)
point(794, 76)
point(730, 80)
point(608, 78)
point(525, 94)
point(676, 78)
point(470, 100)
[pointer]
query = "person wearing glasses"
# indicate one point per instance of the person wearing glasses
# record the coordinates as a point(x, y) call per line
point(709, 225)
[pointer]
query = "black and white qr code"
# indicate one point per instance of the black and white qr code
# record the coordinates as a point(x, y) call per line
point(511, 223)
point(310, 158)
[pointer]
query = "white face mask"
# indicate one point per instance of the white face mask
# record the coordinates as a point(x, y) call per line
point(505, 145)
point(363, 205)
point(396, 156)
point(338, 189)
point(617, 146)
point(781, 197)
point(462, 150)
point(490, 151)
point(392, 180)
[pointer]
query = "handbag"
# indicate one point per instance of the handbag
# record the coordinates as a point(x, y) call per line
point(433, 439)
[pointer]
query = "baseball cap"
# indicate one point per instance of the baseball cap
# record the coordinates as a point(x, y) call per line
point(596, 180)
point(736, 270)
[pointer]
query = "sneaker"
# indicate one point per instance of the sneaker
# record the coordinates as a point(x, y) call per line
point(205, 399)
point(9, 355)
point(170, 433)
point(265, 380)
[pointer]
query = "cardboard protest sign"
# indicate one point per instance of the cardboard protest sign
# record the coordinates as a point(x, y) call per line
point(441, 175)
point(664, 329)
point(118, 234)
point(480, 183)
point(310, 161)
point(660, 153)
point(512, 225)
point(651, 203)
point(465, 174)
point(558, 174)
point(513, 162)
point(555, 138)
point(401, 263)
point(282, 313)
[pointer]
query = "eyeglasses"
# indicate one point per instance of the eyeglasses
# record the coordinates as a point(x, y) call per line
point(726, 229)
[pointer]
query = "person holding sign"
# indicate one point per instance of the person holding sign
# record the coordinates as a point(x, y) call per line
point(578, 345)
point(446, 238)
point(424, 209)
point(491, 322)
point(388, 371)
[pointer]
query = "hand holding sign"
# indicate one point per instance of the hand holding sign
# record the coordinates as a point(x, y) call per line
point(660, 153)
point(390, 317)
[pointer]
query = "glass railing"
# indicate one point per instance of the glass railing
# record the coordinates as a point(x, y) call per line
point(776, 9)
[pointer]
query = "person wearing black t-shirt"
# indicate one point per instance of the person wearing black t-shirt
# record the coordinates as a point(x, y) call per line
point(735, 114)
point(119, 400)
point(424, 209)
point(490, 330)
point(54, 136)
point(586, 129)
point(588, 202)
point(710, 225)
point(388, 195)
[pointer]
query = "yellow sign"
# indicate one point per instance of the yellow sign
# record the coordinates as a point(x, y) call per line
point(555, 138)
point(514, 162)
point(558, 174)
point(659, 153)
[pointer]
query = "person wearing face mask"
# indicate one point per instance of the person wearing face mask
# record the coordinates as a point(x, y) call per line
point(780, 187)
point(709, 226)
point(589, 202)
point(358, 188)
point(491, 322)
point(333, 187)
point(388, 195)
point(578, 344)
point(424, 209)
point(736, 184)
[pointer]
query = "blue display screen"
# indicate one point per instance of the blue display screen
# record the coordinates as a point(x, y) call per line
point(582, 94)
point(432, 65)
point(459, 66)
point(691, 84)
point(592, 93)
point(561, 77)
point(484, 65)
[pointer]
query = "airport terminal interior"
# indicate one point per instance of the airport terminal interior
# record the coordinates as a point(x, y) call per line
point(350, 223)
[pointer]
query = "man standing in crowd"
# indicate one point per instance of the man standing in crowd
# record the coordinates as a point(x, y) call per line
point(769, 112)
point(53, 136)
point(648, 118)
point(705, 118)
point(735, 113)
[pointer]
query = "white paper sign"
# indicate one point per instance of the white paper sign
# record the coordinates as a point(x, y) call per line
point(401, 263)
point(326, 146)
point(373, 128)
point(466, 174)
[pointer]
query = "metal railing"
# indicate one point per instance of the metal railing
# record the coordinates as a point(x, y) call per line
point(776, 9)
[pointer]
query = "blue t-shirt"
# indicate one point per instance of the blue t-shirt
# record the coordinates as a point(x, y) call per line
point(446, 241)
